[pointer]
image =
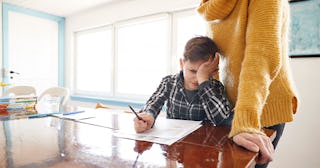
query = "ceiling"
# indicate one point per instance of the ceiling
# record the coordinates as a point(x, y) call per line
point(60, 7)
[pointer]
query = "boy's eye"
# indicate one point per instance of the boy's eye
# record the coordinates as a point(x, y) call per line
point(193, 71)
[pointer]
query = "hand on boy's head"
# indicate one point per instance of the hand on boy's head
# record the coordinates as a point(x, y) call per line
point(208, 69)
point(144, 124)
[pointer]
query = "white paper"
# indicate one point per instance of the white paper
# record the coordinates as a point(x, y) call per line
point(81, 114)
point(165, 131)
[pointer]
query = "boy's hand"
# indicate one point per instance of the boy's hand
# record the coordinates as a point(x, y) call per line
point(208, 69)
point(144, 124)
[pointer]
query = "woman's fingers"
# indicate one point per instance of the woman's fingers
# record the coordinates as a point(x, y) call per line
point(256, 143)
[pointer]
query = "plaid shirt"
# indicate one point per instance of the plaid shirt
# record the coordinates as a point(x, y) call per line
point(209, 104)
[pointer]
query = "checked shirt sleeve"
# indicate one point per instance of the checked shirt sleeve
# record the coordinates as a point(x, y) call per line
point(214, 100)
point(155, 103)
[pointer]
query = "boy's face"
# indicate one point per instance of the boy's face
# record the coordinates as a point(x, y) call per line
point(190, 70)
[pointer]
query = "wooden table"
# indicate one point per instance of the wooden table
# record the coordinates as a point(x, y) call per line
point(54, 142)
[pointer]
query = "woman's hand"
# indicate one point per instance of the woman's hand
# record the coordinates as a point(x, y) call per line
point(256, 143)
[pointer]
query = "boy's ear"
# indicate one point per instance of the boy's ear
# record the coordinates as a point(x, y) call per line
point(217, 54)
point(181, 63)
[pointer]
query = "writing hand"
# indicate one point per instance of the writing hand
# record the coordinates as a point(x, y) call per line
point(256, 143)
point(144, 124)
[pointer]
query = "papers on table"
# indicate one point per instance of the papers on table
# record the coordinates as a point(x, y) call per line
point(108, 118)
point(99, 117)
point(165, 131)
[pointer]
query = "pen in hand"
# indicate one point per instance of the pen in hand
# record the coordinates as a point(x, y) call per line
point(135, 113)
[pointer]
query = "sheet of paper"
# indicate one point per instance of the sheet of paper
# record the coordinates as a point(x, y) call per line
point(77, 114)
point(171, 128)
point(109, 118)
point(165, 131)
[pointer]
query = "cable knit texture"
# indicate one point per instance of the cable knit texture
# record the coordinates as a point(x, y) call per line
point(253, 38)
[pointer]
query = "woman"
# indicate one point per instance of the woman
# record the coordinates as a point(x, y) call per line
point(253, 38)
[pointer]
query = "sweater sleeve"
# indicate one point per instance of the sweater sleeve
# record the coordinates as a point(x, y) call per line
point(260, 65)
point(215, 9)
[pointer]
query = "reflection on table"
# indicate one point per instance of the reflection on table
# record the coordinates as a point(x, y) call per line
point(54, 142)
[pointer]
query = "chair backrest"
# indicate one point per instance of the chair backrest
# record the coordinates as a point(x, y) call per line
point(20, 91)
point(56, 92)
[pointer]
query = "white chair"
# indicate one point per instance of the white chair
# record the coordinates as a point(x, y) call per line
point(61, 92)
point(20, 91)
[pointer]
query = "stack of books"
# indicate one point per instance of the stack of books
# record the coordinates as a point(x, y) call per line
point(18, 106)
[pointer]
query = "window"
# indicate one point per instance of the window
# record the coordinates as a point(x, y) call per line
point(94, 62)
point(127, 60)
point(142, 56)
point(188, 25)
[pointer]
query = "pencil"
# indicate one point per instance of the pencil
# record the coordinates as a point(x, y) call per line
point(135, 113)
point(74, 112)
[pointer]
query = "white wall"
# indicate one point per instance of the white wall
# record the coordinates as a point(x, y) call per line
point(300, 144)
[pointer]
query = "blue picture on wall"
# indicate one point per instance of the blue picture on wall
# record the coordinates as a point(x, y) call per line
point(305, 28)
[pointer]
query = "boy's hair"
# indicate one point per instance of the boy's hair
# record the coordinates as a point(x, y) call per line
point(199, 48)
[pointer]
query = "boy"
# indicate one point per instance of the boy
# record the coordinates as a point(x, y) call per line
point(192, 94)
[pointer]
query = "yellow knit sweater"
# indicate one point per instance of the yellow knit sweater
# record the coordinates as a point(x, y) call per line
point(253, 38)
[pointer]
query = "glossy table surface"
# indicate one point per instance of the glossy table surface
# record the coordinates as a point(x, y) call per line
point(55, 142)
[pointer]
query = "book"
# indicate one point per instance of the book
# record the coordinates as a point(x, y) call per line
point(17, 107)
